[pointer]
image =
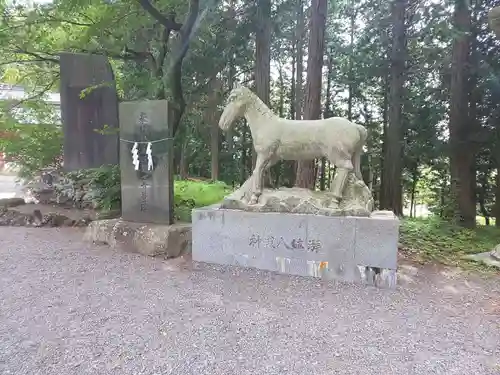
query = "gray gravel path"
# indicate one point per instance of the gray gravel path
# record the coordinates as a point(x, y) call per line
point(70, 308)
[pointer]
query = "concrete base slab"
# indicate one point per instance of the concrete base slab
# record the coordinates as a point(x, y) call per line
point(170, 241)
point(353, 249)
point(485, 258)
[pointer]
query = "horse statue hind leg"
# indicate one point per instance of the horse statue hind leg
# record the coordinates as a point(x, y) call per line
point(339, 182)
point(347, 162)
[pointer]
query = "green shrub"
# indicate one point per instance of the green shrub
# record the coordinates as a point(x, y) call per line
point(30, 137)
point(32, 147)
point(104, 190)
point(98, 187)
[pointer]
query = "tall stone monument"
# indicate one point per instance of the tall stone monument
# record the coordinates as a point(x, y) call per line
point(146, 162)
point(333, 235)
point(88, 103)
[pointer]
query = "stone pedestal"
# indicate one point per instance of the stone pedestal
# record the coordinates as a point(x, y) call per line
point(354, 249)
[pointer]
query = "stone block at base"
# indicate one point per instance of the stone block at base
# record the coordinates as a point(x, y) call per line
point(330, 247)
point(149, 239)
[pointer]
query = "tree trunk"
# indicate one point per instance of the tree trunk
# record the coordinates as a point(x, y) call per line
point(414, 182)
point(231, 73)
point(351, 62)
point(299, 82)
point(327, 112)
point(442, 198)
point(262, 55)
point(211, 118)
point(482, 197)
point(296, 87)
point(292, 81)
point(263, 50)
point(183, 162)
point(312, 105)
point(230, 133)
point(497, 198)
point(391, 190)
point(276, 170)
point(385, 122)
point(461, 159)
point(367, 170)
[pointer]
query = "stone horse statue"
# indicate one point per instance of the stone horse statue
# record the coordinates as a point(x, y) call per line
point(338, 139)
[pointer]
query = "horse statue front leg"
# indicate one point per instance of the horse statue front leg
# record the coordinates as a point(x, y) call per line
point(265, 160)
point(257, 176)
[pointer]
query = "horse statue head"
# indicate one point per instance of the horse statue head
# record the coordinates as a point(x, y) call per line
point(237, 103)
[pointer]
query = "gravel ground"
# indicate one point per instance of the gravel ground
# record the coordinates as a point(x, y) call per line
point(71, 308)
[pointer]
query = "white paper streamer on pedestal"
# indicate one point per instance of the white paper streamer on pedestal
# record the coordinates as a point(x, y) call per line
point(135, 157)
point(150, 157)
point(149, 152)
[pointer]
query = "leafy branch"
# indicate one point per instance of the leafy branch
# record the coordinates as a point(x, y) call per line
point(38, 55)
point(168, 22)
point(36, 96)
point(175, 72)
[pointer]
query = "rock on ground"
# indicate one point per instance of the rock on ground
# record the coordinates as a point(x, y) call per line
point(71, 308)
point(169, 241)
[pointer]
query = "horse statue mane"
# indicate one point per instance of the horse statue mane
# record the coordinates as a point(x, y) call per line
point(244, 93)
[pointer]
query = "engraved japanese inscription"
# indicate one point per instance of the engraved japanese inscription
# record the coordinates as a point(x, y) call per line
point(272, 242)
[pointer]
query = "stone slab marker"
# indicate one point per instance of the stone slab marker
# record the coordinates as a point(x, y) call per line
point(146, 161)
point(81, 116)
point(331, 247)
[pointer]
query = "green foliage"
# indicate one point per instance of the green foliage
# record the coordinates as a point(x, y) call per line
point(191, 194)
point(30, 136)
point(88, 90)
point(436, 240)
point(32, 147)
point(107, 130)
point(103, 183)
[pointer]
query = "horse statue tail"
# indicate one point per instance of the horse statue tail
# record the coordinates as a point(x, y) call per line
point(356, 158)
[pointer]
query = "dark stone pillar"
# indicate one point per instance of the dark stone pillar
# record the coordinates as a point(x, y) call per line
point(84, 113)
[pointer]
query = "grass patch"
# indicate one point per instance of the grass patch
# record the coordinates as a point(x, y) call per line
point(191, 194)
point(435, 240)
